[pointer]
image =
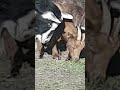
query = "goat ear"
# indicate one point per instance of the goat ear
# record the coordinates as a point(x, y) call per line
point(66, 15)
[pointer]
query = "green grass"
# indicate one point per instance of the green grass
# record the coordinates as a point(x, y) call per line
point(60, 75)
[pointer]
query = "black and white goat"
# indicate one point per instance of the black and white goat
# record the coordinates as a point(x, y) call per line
point(48, 17)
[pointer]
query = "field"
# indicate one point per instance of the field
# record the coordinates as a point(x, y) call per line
point(49, 75)
point(52, 75)
point(59, 74)
point(67, 75)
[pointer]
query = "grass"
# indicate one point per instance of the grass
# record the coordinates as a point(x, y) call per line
point(59, 75)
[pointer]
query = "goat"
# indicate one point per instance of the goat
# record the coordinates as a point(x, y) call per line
point(47, 19)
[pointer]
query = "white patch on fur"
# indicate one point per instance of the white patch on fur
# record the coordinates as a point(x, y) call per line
point(50, 16)
point(66, 15)
point(45, 37)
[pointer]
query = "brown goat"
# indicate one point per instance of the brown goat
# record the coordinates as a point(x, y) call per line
point(74, 46)
point(74, 7)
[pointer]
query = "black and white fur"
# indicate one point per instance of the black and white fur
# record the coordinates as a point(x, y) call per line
point(48, 17)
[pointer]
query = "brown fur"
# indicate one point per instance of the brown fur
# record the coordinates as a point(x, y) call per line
point(73, 7)
point(70, 36)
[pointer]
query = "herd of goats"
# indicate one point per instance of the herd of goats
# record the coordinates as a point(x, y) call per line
point(60, 21)
point(101, 20)
point(50, 23)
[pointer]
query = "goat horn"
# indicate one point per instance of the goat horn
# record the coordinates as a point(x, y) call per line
point(79, 33)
